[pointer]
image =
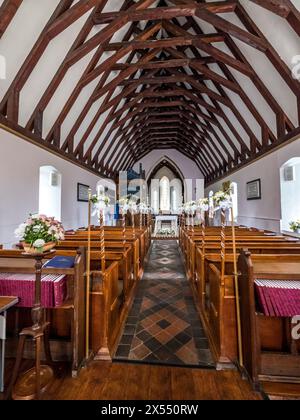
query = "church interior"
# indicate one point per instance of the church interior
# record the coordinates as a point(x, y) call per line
point(150, 206)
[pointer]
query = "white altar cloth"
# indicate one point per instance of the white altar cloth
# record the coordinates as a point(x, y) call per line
point(160, 219)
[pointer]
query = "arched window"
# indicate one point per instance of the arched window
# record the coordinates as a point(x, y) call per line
point(50, 192)
point(290, 197)
point(176, 195)
point(234, 195)
point(164, 194)
point(155, 195)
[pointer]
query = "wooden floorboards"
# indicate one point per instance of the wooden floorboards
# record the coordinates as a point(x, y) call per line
point(106, 381)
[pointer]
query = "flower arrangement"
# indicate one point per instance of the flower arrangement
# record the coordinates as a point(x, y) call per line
point(203, 204)
point(128, 203)
point(39, 231)
point(295, 226)
point(181, 210)
point(190, 206)
point(104, 199)
point(222, 199)
point(166, 232)
point(143, 208)
point(100, 202)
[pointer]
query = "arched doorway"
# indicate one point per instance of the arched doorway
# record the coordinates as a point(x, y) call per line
point(50, 192)
point(290, 197)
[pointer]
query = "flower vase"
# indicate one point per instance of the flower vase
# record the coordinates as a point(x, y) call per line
point(29, 249)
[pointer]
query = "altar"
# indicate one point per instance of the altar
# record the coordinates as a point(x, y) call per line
point(159, 220)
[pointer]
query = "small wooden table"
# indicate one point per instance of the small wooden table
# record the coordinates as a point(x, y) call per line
point(5, 304)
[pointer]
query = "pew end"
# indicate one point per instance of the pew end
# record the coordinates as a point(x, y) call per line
point(270, 354)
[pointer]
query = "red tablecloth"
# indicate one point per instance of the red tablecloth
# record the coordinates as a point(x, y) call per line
point(278, 298)
point(54, 289)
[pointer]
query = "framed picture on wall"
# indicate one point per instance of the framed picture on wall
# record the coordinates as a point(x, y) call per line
point(254, 190)
point(83, 193)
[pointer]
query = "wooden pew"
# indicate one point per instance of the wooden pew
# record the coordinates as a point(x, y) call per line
point(190, 241)
point(257, 243)
point(114, 243)
point(117, 233)
point(108, 300)
point(270, 354)
point(113, 252)
point(216, 297)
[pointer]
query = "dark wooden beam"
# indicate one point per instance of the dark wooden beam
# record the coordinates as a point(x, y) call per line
point(8, 10)
point(105, 34)
point(159, 13)
point(281, 8)
point(179, 62)
point(165, 42)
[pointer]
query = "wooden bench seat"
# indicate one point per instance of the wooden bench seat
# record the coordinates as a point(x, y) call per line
point(270, 353)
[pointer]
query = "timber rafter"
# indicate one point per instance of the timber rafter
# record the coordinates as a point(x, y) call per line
point(162, 84)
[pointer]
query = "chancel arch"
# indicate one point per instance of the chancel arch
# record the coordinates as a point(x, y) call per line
point(166, 187)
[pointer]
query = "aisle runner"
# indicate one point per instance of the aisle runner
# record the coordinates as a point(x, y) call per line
point(163, 326)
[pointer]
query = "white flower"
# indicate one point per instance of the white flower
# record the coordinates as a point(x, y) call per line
point(20, 231)
point(61, 236)
point(132, 207)
point(124, 208)
point(39, 243)
point(52, 230)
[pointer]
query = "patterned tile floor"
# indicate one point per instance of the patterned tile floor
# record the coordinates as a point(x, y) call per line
point(163, 325)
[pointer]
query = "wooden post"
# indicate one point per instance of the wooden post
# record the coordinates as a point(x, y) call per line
point(133, 223)
point(223, 243)
point(124, 228)
point(203, 257)
point(237, 294)
point(88, 278)
point(102, 240)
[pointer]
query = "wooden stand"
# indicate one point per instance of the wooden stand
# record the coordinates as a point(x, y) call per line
point(32, 383)
point(88, 281)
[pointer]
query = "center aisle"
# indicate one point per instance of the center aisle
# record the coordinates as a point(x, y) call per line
point(163, 326)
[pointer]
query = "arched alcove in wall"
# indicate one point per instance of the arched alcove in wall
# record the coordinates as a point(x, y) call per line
point(50, 192)
point(290, 197)
point(108, 188)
